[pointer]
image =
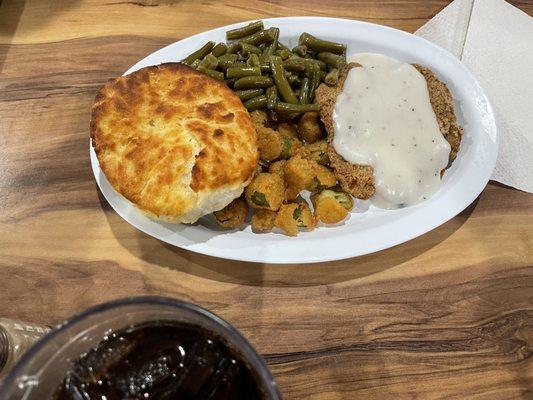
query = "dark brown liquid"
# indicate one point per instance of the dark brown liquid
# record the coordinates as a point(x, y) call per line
point(159, 362)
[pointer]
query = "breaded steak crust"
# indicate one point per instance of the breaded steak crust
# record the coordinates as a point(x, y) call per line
point(174, 141)
point(358, 180)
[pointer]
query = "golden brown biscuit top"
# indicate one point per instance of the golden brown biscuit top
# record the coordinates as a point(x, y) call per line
point(168, 136)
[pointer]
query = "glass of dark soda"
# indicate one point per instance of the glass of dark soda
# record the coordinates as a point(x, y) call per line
point(141, 348)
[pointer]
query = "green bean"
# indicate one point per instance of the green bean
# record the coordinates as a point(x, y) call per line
point(253, 82)
point(332, 77)
point(315, 81)
point(281, 46)
point(304, 91)
point(272, 97)
point(300, 50)
point(239, 72)
point(323, 75)
point(289, 108)
point(265, 36)
point(284, 54)
point(321, 64)
point(230, 82)
point(212, 73)
point(253, 60)
point(294, 64)
point(284, 89)
point(330, 59)
point(320, 45)
point(209, 62)
point(249, 93)
point(293, 79)
point(227, 60)
point(256, 103)
point(234, 48)
point(245, 30)
point(247, 49)
point(271, 48)
point(265, 68)
point(195, 63)
point(200, 53)
point(219, 49)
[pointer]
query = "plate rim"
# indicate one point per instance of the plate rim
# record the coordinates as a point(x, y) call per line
point(446, 215)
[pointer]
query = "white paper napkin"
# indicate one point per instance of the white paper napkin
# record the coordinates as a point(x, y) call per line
point(495, 41)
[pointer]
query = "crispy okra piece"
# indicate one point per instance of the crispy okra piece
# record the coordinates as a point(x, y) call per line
point(265, 191)
point(309, 127)
point(331, 206)
point(263, 220)
point(298, 172)
point(233, 215)
point(318, 152)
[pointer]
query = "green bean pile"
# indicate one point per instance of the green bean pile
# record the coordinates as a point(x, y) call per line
point(266, 74)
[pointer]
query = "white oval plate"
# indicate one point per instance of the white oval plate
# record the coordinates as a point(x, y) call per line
point(367, 229)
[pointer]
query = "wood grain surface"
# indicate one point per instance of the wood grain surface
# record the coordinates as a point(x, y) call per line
point(446, 316)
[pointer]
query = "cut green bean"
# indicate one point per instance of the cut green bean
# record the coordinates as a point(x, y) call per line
point(239, 72)
point(300, 50)
point(253, 61)
point(230, 82)
point(249, 93)
point(294, 64)
point(195, 63)
point(304, 91)
point(212, 73)
point(271, 48)
point(320, 45)
point(272, 97)
point(284, 54)
point(227, 60)
point(247, 30)
point(256, 103)
point(265, 36)
point(265, 68)
point(200, 53)
point(247, 49)
point(332, 77)
point(331, 59)
point(289, 108)
point(293, 79)
point(284, 88)
point(281, 46)
point(253, 82)
point(209, 62)
point(234, 48)
point(219, 49)
point(315, 81)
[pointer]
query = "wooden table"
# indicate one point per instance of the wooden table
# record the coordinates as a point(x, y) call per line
point(446, 316)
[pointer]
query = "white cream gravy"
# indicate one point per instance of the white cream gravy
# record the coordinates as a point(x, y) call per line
point(383, 118)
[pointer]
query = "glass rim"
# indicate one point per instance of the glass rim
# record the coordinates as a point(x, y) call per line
point(8, 381)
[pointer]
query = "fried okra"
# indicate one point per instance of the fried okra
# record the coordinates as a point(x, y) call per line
point(286, 129)
point(263, 220)
point(318, 152)
point(292, 216)
point(298, 172)
point(233, 215)
point(331, 206)
point(265, 191)
point(309, 128)
point(277, 167)
point(324, 177)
